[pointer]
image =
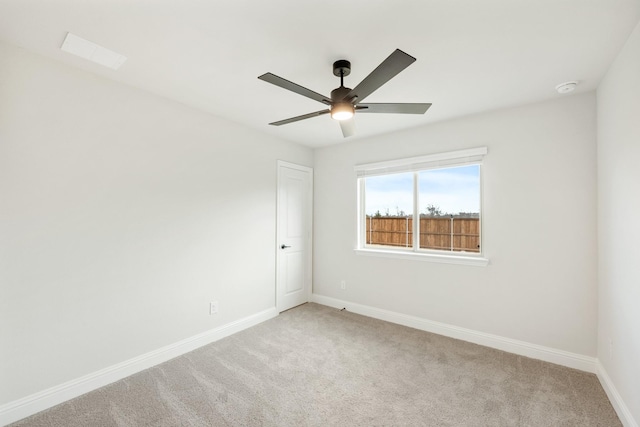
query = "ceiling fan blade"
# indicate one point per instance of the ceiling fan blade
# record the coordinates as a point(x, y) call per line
point(388, 69)
point(393, 108)
point(348, 127)
point(298, 118)
point(286, 84)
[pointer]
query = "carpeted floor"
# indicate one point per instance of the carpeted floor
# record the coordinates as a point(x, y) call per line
point(317, 366)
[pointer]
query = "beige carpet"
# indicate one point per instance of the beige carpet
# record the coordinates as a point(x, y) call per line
point(317, 366)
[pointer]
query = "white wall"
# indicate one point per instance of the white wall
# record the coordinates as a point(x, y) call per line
point(121, 216)
point(539, 227)
point(618, 225)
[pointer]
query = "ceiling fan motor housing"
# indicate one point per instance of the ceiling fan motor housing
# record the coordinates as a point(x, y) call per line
point(338, 94)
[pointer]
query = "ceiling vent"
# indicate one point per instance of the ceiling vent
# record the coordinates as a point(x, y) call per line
point(93, 52)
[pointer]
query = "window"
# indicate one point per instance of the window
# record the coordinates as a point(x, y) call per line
point(423, 207)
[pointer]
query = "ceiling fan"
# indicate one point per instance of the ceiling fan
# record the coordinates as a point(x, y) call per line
point(344, 101)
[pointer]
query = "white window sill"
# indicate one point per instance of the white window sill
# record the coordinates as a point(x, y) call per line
point(421, 256)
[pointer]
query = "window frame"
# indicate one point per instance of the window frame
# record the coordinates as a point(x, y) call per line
point(472, 156)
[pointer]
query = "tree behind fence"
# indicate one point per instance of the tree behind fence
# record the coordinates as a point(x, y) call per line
point(442, 233)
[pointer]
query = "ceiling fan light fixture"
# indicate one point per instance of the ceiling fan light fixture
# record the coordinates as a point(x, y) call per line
point(342, 111)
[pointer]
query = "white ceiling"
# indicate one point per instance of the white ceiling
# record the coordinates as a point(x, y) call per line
point(473, 55)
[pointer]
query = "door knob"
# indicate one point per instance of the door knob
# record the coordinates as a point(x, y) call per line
point(284, 246)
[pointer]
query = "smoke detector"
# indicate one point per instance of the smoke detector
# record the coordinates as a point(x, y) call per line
point(566, 87)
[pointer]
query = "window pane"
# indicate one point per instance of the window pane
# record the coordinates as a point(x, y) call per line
point(449, 205)
point(388, 210)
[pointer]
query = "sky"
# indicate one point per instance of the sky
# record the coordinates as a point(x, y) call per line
point(453, 190)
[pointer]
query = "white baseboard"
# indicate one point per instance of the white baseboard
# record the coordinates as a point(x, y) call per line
point(29, 405)
point(45, 399)
point(559, 357)
point(616, 400)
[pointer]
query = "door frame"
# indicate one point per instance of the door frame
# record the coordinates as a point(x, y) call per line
point(309, 255)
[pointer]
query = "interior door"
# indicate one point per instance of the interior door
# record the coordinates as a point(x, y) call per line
point(293, 275)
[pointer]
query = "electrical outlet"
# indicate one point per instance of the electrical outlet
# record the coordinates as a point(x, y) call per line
point(213, 307)
point(343, 284)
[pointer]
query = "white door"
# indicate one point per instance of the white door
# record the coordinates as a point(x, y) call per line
point(293, 275)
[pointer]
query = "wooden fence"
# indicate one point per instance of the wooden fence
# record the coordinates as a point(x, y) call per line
point(450, 234)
